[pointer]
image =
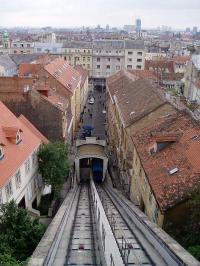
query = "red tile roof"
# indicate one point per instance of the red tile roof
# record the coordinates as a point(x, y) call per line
point(164, 64)
point(15, 154)
point(64, 73)
point(29, 70)
point(182, 153)
point(181, 59)
point(83, 72)
point(144, 74)
point(134, 98)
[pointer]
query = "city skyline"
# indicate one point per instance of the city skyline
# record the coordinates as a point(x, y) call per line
point(176, 14)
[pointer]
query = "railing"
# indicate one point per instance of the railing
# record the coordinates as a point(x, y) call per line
point(110, 247)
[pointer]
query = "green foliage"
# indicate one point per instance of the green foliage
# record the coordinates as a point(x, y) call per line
point(195, 251)
point(19, 233)
point(6, 259)
point(54, 164)
point(187, 234)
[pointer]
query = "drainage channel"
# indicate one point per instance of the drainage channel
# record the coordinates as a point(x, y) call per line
point(131, 249)
point(83, 247)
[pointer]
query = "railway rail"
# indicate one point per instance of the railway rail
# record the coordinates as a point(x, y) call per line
point(98, 227)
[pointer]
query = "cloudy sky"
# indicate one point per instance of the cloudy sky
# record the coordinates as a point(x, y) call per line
point(68, 13)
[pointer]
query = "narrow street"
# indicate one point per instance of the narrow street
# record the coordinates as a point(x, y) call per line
point(94, 116)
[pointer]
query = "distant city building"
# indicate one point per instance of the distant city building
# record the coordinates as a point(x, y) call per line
point(187, 29)
point(195, 29)
point(138, 26)
point(129, 28)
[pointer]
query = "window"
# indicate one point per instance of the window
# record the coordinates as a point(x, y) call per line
point(88, 51)
point(118, 59)
point(34, 158)
point(117, 67)
point(15, 45)
point(18, 180)
point(156, 213)
point(107, 52)
point(108, 66)
point(130, 53)
point(27, 166)
point(1, 152)
point(84, 51)
point(65, 58)
point(69, 58)
point(88, 59)
point(98, 59)
point(88, 65)
point(18, 138)
point(139, 60)
point(139, 53)
point(83, 58)
point(150, 196)
point(129, 66)
point(138, 67)
point(108, 59)
point(98, 66)
point(9, 190)
point(29, 192)
point(83, 65)
point(28, 45)
point(1, 197)
point(39, 49)
point(129, 59)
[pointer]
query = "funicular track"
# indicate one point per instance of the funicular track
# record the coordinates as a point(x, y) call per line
point(129, 245)
point(83, 243)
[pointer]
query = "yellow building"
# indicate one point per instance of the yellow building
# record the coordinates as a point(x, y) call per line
point(78, 53)
point(132, 105)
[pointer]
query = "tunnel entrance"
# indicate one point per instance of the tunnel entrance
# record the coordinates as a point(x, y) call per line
point(91, 168)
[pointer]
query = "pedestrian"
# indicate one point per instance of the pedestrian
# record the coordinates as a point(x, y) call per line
point(91, 115)
point(88, 110)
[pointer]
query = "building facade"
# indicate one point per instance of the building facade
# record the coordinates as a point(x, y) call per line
point(19, 174)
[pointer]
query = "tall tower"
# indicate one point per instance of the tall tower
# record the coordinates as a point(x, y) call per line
point(6, 40)
point(138, 25)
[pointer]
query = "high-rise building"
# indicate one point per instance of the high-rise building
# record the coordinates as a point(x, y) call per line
point(194, 30)
point(138, 25)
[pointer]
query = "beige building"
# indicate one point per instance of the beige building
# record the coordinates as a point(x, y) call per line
point(132, 104)
point(78, 53)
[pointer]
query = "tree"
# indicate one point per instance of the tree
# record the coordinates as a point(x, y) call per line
point(19, 233)
point(54, 164)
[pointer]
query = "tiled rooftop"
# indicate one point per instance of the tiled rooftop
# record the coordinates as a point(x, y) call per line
point(181, 156)
point(134, 98)
point(64, 73)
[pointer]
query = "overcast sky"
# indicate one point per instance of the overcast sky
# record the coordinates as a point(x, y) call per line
point(68, 13)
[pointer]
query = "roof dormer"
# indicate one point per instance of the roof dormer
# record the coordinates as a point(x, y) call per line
point(161, 142)
point(13, 134)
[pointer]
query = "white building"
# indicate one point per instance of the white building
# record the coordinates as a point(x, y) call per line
point(19, 143)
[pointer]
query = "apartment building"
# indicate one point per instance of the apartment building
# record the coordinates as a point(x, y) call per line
point(19, 143)
point(107, 58)
point(78, 53)
point(21, 47)
point(134, 54)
